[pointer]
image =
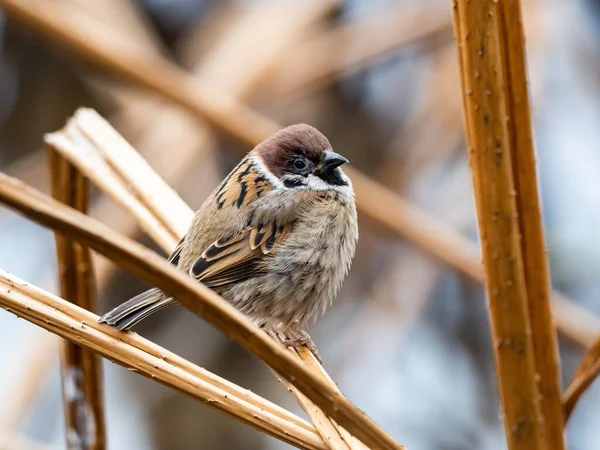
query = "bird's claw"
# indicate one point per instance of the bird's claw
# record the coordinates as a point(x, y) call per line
point(304, 340)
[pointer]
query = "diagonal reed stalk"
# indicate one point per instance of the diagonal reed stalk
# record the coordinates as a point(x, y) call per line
point(587, 371)
point(81, 369)
point(499, 135)
point(140, 355)
point(79, 142)
point(92, 42)
point(196, 297)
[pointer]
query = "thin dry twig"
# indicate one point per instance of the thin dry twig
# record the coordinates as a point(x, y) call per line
point(587, 371)
point(336, 437)
point(87, 122)
point(307, 357)
point(96, 145)
point(80, 367)
point(92, 42)
point(196, 297)
point(143, 356)
point(322, 423)
point(498, 126)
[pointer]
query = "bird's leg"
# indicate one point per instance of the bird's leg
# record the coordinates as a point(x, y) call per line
point(303, 340)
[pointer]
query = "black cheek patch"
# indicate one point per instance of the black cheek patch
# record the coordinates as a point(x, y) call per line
point(292, 183)
point(333, 178)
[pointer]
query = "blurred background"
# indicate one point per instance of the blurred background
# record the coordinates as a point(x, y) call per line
point(408, 339)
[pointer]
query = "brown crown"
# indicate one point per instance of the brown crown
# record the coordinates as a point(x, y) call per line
point(277, 150)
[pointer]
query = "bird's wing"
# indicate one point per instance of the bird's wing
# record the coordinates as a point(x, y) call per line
point(240, 257)
point(174, 258)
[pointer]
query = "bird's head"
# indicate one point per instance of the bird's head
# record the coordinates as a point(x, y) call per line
point(300, 156)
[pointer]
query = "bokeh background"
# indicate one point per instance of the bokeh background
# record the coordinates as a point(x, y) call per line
point(408, 339)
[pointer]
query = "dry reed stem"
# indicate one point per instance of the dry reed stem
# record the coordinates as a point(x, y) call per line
point(105, 158)
point(586, 372)
point(97, 169)
point(343, 49)
point(307, 357)
point(120, 149)
point(532, 239)
point(143, 356)
point(81, 369)
point(94, 43)
point(151, 189)
point(495, 97)
point(334, 436)
point(196, 297)
point(322, 423)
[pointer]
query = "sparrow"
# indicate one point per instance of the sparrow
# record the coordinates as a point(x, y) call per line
point(276, 238)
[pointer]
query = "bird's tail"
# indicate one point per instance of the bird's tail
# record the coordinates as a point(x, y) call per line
point(125, 316)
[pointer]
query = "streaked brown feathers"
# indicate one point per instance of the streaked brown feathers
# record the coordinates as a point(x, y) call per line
point(242, 186)
point(240, 257)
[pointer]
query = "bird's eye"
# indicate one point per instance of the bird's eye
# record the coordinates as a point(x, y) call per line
point(299, 164)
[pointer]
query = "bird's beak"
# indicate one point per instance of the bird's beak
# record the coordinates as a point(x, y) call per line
point(331, 160)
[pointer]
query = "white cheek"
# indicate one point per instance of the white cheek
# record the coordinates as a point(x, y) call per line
point(317, 183)
point(276, 182)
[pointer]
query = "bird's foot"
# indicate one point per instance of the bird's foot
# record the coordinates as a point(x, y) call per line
point(304, 340)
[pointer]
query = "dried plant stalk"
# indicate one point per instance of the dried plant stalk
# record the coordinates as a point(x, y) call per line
point(504, 178)
point(311, 362)
point(140, 355)
point(322, 423)
point(335, 437)
point(67, 142)
point(81, 369)
point(196, 297)
point(532, 240)
point(102, 174)
point(73, 32)
point(586, 373)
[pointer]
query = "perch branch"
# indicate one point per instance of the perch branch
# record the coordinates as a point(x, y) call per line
point(311, 362)
point(81, 369)
point(196, 297)
point(140, 355)
point(498, 128)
